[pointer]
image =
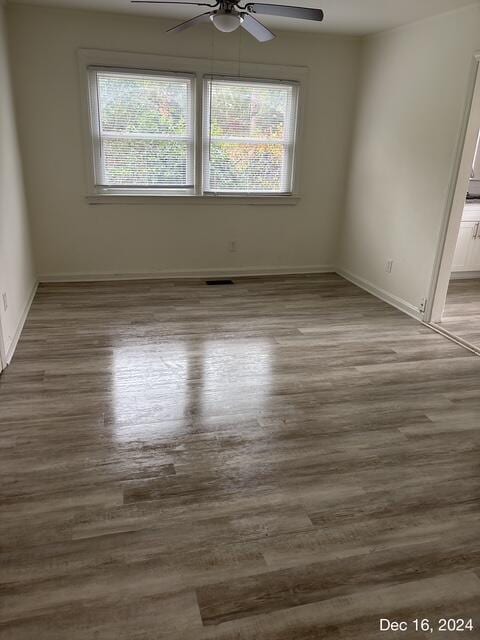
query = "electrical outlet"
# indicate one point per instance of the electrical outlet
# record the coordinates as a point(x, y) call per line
point(389, 266)
point(5, 301)
point(232, 246)
point(422, 307)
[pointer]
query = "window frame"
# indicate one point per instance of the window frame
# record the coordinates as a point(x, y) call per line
point(96, 136)
point(200, 69)
point(291, 162)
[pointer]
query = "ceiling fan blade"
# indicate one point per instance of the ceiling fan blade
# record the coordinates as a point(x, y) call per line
point(256, 28)
point(285, 11)
point(203, 17)
point(196, 4)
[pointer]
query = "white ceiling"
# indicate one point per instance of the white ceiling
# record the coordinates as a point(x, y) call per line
point(356, 17)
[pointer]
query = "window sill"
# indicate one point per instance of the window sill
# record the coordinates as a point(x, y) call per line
point(193, 199)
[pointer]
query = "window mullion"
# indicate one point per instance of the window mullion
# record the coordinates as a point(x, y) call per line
point(198, 134)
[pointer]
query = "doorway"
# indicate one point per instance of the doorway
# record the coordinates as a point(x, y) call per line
point(455, 299)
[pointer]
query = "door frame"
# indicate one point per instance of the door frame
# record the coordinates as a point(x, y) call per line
point(3, 355)
point(456, 198)
point(3, 351)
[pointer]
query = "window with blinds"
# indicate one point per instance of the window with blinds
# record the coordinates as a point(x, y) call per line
point(143, 128)
point(248, 136)
point(149, 137)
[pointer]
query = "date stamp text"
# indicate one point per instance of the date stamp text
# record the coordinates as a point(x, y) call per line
point(426, 625)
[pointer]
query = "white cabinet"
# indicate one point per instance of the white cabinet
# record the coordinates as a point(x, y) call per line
point(467, 253)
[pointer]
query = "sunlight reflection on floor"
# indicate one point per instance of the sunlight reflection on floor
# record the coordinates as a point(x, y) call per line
point(178, 380)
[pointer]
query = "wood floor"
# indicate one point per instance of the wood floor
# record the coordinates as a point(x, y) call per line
point(279, 459)
point(462, 310)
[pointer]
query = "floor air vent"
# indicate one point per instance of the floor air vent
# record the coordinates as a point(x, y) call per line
point(219, 282)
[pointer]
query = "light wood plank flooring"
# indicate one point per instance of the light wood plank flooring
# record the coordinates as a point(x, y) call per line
point(462, 310)
point(281, 459)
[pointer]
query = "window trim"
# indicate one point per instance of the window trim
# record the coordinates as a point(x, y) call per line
point(199, 68)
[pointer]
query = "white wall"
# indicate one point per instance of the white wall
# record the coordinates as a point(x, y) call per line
point(17, 275)
point(414, 83)
point(72, 237)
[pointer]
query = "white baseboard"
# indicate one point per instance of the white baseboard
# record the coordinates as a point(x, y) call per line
point(227, 272)
point(464, 275)
point(18, 331)
point(378, 292)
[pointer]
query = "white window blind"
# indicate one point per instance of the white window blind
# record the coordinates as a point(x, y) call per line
point(143, 129)
point(249, 136)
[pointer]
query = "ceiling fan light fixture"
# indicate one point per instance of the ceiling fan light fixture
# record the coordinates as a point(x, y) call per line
point(226, 21)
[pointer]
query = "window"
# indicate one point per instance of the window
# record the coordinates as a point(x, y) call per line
point(144, 130)
point(249, 136)
point(186, 132)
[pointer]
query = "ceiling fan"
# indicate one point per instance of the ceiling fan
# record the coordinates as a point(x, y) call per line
point(228, 15)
